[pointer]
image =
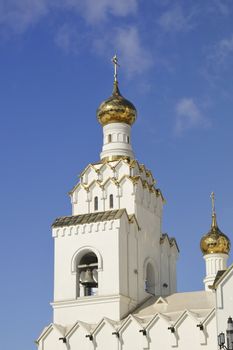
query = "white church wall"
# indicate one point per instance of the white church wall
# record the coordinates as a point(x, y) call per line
point(79, 200)
point(158, 335)
point(130, 337)
point(133, 283)
point(51, 340)
point(210, 331)
point(165, 267)
point(188, 334)
point(147, 250)
point(149, 238)
point(104, 337)
point(77, 337)
point(68, 312)
point(127, 195)
point(224, 300)
point(172, 267)
point(124, 252)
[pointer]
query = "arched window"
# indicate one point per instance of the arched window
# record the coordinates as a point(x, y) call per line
point(150, 279)
point(127, 139)
point(111, 201)
point(109, 138)
point(87, 274)
point(96, 203)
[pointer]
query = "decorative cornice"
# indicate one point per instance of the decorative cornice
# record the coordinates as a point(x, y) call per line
point(94, 299)
point(145, 178)
point(133, 179)
point(89, 223)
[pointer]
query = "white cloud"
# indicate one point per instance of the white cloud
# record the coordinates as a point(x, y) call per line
point(18, 15)
point(188, 116)
point(97, 10)
point(219, 61)
point(222, 7)
point(67, 38)
point(174, 19)
point(222, 51)
point(134, 57)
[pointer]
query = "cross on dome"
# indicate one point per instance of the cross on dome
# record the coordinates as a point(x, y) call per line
point(212, 196)
point(116, 65)
point(116, 108)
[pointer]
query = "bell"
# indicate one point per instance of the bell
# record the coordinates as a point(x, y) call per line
point(88, 280)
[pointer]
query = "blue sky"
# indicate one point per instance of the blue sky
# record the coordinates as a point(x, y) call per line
point(176, 62)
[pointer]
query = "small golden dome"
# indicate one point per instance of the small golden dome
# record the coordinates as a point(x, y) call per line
point(116, 109)
point(215, 241)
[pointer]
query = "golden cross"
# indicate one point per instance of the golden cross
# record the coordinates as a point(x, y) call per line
point(212, 196)
point(116, 64)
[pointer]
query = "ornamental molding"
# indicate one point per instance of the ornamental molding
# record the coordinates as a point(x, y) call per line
point(133, 164)
point(85, 228)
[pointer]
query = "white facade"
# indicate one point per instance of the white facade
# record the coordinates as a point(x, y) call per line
point(134, 258)
point(115, 271)
point(224, 298)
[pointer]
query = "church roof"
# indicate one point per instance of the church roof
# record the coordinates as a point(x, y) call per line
point(198, 301)
point(89, 218)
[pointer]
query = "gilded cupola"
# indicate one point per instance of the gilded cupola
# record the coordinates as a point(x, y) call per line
point(116, 109)
point(215, 241)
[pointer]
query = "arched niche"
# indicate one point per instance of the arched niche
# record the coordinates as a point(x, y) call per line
point(150, 275)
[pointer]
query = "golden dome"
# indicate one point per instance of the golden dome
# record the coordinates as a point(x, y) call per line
point(116, 109)
point(215, 241)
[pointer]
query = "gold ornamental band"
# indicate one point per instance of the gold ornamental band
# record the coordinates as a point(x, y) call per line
point(114, 158)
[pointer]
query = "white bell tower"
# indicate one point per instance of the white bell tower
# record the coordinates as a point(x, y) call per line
point(110, 254)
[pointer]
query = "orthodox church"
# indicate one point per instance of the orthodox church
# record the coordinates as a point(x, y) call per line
point(114, 269)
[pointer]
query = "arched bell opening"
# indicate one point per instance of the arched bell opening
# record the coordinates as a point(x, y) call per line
point(87, 275)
